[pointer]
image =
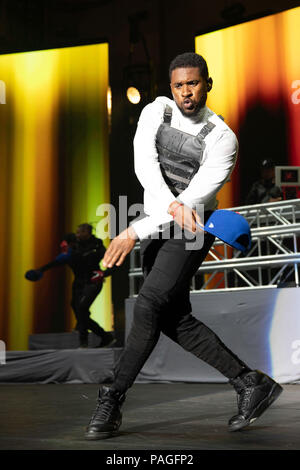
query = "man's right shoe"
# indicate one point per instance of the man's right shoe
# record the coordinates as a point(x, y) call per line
point(107, 417)
point(256, 391)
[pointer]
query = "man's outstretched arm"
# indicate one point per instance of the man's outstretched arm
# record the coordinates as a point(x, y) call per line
point(124, 243)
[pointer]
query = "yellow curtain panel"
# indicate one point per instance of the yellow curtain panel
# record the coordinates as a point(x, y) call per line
point(54, 175)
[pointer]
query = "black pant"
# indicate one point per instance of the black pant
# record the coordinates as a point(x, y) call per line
point(83, 295)
point(163, 305)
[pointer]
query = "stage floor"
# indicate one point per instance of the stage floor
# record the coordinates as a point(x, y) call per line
point(168, 416)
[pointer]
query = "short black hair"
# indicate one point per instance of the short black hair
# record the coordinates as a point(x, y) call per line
point(189, 59)
point(87, 227)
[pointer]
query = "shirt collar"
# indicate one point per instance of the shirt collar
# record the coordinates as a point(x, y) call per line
point(200, 117)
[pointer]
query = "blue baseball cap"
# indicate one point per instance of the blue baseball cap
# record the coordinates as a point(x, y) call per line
point(230, 227)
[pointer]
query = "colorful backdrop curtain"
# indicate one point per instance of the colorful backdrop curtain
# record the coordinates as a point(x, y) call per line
point(54, 174)
point(256, 72)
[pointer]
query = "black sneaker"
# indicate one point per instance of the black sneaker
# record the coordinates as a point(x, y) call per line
point(256, 392)
point(107, 417)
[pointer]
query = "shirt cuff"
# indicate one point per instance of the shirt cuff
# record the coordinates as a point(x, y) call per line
point(186, 201)
point(149, 226)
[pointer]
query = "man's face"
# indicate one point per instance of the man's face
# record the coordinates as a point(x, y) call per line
point(82, 234)
point(189, 90)
point(268, 174)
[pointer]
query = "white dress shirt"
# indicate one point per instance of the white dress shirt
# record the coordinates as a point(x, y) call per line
point(216, 165)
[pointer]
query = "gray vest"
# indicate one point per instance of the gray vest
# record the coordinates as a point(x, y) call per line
point(179, 153)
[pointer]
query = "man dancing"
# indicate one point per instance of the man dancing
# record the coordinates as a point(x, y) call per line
point(184, 154)
point(82, 252)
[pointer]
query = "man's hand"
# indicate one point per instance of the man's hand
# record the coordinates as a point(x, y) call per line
point(119, 248)
point(34, 275)
point(185, 217)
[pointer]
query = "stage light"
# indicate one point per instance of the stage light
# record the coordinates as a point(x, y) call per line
point(138, 75)
point(138, 83)
point(109, 107)
point(133, 95)
point(109, 101)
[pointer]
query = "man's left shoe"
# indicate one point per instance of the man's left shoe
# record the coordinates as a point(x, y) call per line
point(107, 417)
point(107, 340)
point(256, 392)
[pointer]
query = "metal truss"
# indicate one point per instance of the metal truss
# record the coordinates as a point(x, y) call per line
point(271, 262)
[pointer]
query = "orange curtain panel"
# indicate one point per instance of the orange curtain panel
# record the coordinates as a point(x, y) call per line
point(256, 72)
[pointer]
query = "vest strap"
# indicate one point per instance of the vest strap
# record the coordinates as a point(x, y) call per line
point(168, 115)
point(202, 134)
point(206, 130)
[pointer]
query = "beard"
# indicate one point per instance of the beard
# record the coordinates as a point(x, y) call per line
point(193, 113)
